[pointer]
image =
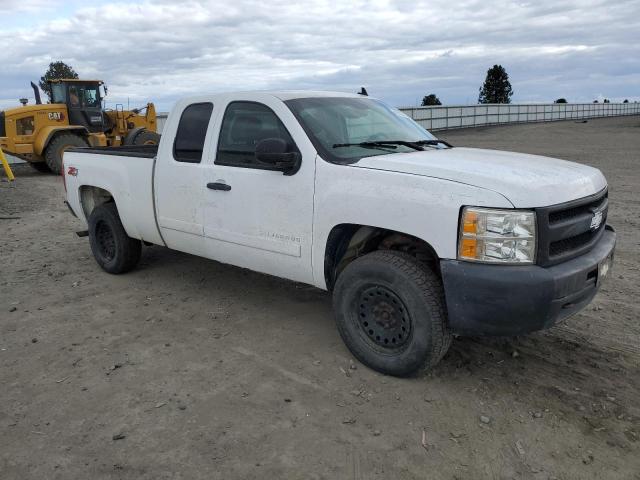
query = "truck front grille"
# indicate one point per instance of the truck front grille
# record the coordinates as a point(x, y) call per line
point(565, 230)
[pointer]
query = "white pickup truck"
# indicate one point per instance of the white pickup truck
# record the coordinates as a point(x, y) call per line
point(417, 240)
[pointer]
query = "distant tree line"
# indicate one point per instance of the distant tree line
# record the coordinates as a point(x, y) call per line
point(495, 89)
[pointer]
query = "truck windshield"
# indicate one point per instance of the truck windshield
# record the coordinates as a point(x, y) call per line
point(346, 129)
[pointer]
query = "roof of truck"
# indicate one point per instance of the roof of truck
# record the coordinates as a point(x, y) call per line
point(282, 95)
point(288, 94)
point(291, 94)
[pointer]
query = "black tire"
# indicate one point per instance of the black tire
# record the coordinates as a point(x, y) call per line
point(391, 313)
point(57, 146)
point(112, 248)
point(146, 137)
point(40, 166)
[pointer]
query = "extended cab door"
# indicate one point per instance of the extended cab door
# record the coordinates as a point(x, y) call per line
point(179, 176)
point(255, 217)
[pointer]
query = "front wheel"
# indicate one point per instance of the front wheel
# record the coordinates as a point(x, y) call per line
point(391, 314)
point(56, 148)
point(112, 248)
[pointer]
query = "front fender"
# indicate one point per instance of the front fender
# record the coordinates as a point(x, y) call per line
point(423, 207)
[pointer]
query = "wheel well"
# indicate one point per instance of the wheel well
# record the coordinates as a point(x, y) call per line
point(348, 241)
point(91, 197)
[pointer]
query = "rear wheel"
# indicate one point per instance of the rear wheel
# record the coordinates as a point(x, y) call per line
point(112, 248)
point(391, 314)
point(56, 148)
point(146, 137)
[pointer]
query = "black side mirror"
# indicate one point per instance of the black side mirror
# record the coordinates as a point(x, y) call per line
point(275, 152)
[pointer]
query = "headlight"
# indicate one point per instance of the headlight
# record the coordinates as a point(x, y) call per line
point(497, 236)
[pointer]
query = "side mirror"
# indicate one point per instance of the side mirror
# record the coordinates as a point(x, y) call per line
point(274, 152)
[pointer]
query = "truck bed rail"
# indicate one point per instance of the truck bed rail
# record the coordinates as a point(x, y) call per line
point(143, 151)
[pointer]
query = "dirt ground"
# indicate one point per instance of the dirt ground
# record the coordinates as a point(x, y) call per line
point(191, 369)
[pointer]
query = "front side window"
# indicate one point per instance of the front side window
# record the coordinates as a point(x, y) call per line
point(192, 132)
point(90, 96)
point(330, 122)
point(243, 126)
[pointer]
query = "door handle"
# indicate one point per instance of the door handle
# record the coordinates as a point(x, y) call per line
point(219, 186)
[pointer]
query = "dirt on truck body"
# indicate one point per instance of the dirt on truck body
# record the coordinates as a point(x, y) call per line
point(187, 368)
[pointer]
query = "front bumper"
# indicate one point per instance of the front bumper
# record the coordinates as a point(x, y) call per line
point(512, 300)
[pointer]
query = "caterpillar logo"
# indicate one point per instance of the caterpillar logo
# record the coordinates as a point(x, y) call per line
point(56, 116)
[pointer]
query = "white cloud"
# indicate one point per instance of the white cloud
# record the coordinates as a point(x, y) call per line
point(401, 50)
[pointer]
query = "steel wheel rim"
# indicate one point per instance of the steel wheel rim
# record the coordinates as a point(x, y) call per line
point(106, 241)
point(383, 319)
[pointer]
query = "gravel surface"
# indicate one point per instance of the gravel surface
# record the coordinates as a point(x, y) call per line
point(191, 369)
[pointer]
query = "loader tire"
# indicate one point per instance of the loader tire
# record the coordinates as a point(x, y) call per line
point(112, 248)
point(56, 148)
point(146, 137)
point(391, 313)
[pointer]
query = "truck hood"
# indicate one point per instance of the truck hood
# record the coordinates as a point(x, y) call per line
point(527, 181)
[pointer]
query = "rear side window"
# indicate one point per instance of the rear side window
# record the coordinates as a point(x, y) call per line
point(192, 130)
point(243, 126)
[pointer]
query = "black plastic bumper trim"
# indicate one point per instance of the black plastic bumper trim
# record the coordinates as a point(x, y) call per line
point(512, 300)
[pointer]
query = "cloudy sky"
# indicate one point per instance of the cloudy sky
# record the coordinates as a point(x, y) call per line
point(399, 49)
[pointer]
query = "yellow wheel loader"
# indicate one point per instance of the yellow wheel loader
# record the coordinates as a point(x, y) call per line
point(75, 117)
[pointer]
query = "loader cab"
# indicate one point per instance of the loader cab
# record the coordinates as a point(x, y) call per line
point(83, 101)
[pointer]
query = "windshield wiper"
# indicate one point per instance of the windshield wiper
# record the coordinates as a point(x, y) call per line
point(433, 142)
point(373, 145)
point(381, 143)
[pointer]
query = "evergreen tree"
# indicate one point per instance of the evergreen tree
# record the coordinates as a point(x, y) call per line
point(561, 100)
point(57, 70)
point(430, 99)
point(496, 87)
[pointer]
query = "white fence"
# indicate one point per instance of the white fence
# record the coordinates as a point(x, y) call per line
point(465, 116)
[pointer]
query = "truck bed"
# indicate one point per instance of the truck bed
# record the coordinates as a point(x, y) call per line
point(142, 151)
point(127, 174)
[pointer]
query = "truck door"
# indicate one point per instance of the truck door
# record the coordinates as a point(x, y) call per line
point(179, 175)
point(254, 217)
